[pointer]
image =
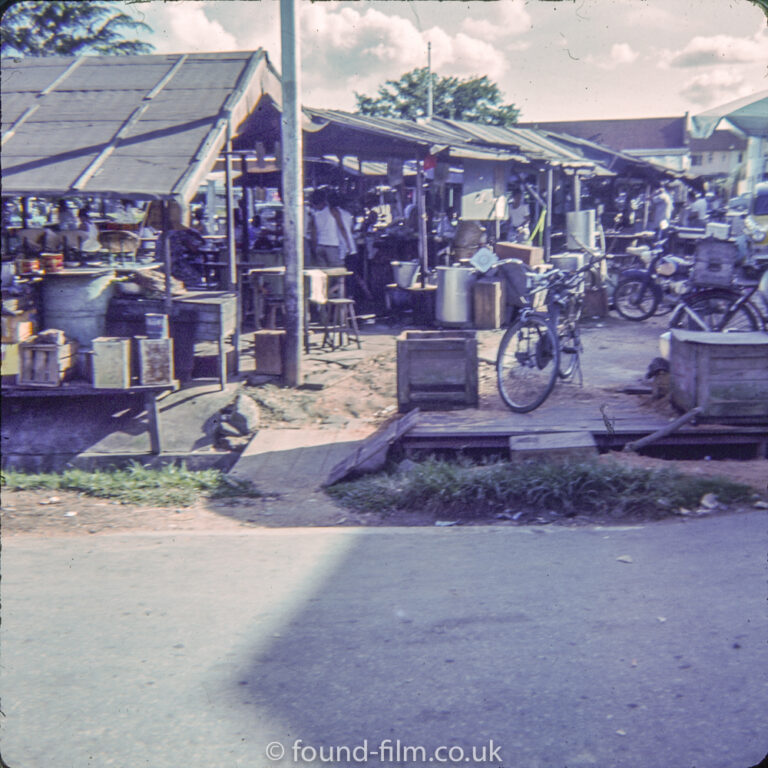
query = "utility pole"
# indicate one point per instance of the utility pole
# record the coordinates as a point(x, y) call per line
point(429, 81)
point(293, 192)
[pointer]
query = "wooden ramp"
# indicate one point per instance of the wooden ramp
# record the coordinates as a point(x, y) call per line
point(282, 460)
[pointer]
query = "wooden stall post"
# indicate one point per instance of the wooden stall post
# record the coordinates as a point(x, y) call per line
point(166, 219)
point(422, 211)
point(548, 220)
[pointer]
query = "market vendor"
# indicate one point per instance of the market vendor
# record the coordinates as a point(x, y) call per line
point(326, 231)
point(91, 242)
point(519, 218)
point(186, 254)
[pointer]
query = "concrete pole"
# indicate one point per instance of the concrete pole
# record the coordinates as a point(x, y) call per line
point(293, 191)
point(429, 81)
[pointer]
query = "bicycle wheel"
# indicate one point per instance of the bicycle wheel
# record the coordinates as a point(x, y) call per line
point(636, 298)
point(569, 342)
point(714, 311)
point(527, 363)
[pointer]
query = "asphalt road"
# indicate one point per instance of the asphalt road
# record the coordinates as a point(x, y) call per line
point(551, 647)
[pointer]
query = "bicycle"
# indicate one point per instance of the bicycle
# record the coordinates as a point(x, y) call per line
point(724, 310)
point(538, 347)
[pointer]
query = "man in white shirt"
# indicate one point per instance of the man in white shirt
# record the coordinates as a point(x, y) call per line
point(519, 217)
point(326, 238)
point(697, 210)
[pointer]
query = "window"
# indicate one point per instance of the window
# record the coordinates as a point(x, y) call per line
point(696, 160)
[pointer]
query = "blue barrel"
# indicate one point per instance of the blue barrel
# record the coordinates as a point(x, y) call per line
point(76, 302)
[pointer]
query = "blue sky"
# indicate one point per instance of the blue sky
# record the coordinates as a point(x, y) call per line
point(554, 59)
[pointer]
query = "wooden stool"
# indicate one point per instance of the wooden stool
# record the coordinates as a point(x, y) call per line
point(341, 320)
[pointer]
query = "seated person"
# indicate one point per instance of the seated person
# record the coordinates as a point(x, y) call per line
point(186, 258)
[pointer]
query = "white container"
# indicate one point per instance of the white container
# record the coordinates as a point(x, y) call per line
point(454, 295)
point(717, 230)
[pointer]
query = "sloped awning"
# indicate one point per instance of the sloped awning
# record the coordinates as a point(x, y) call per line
point(137, 127)
point(749, 115)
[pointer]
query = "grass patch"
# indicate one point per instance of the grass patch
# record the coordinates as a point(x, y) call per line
point(465, 490)
point(173, 485)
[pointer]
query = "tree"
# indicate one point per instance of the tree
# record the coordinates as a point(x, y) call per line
point(74, 28)
point(474, 99)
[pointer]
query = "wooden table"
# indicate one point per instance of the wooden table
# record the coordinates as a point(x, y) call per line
point(149, 393)
point(212, 316)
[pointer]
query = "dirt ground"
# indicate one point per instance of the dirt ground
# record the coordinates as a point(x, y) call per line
point(356, 387)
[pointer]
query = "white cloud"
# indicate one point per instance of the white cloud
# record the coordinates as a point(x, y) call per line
point(715, 87)
point(500, 19)
point(362, 49)
point(186, 27)
point(622, 53)
point(721, 49)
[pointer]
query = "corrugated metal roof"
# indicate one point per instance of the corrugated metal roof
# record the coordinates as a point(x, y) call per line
point(382, 137)
point(125, 126)
point(532, 144)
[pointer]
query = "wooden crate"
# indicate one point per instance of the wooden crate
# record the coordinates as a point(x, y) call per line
point(269, 351)
point(436, 369)
point(17, 326)
point(530, 254)
point(726, 374)
point(714, 263)
point(9, 363)
point(111, 363)
point(154, 358)
point(488, 303)
point(44, 364)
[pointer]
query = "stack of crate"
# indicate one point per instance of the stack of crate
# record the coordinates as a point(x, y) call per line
point(147, 360)
point(17, 326)
point(46, 360)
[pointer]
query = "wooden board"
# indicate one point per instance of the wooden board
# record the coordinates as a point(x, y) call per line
point(371, 453)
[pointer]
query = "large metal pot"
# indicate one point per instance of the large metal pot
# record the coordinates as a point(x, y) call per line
point(454, 295)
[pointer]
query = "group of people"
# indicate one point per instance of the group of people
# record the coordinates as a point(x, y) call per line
point(329, 230)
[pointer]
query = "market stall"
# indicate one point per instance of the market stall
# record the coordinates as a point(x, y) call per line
point(130, 140)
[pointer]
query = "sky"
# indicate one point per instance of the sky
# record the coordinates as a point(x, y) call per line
point(553, 59)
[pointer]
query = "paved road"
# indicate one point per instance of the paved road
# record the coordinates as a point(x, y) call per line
point(198, 650)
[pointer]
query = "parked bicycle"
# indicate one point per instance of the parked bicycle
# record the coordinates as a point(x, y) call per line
point(724, 310)
point(539, 347)
point(729, 298)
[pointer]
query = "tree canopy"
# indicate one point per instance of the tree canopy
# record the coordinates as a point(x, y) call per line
point(474, 99)
point(73, 28)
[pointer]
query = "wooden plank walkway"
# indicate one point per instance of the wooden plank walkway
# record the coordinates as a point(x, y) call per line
point(282, 460)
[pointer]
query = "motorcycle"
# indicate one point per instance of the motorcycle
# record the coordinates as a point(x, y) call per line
point(656, 282)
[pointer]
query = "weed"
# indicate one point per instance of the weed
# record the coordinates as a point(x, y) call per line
point(173, 485)
point(468, 490)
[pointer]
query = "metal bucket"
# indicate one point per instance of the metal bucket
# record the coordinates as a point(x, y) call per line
point(405, 272)
point(454, 295)
point(77, 304)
